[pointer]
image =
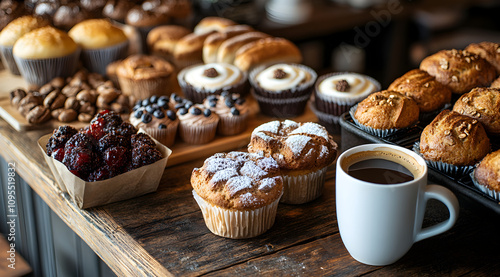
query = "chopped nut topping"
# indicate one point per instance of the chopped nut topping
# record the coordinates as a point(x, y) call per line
point(279, 74)
point(447, 132)
point(474, 121)
point(467, 59)
point(381, 102)
point(454, 79)
point(444, 64)
point(462, 136)
point(392, 96)
point(426, 85)
point(469, 126)
point(465, 99)
point(477, 67)
point(211, 72)
point(498, 49)
point(342, 86)
point(408, 81)
point(478, 115)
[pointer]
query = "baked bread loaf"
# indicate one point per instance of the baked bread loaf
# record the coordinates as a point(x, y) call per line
point(482, 104)
point(429, 94)
point(238, 193)
point(487, 173)
point(460, 70)
point(455, 139)
point(43, 43)
point(163, 39)
point(387, 110)
point(227, 49)
point(266, 51)
point(189, 49)
point(489, 51)
point(212, 42)
point(212, 23)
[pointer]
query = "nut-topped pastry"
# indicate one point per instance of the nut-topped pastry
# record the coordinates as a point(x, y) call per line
point(198, 125)
point(233, 110)
point(482, 104)
point(429, 94)
point(489, 51)
point(454, 139)
point(460, 70)
point(487, 175)
point(386, 110)
point(201, 80)
point(303, 152)
point(238, 193)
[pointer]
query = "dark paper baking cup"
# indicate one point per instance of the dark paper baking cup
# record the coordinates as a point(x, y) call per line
point(96, 60)
point(232, 125)
point(335, 105)
point(484, 189)
point(40, 71)
point(8, 59)
point(446, 168)
point(372, 131)
point(301, 90)
point(330, 122)
point(197, 95)
point(281, 108)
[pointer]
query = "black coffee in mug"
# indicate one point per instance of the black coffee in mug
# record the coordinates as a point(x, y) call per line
point(380, 171)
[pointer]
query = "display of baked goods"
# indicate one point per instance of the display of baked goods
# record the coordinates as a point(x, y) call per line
point(238, 193)
point(303, 152)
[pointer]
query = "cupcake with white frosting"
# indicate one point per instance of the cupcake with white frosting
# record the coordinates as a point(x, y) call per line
point(233, 110)
point(282, 90)
point(201, 80)
point(198, 125)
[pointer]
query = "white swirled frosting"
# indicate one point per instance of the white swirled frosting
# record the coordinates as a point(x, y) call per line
point(359, 85)
point(227, 75)
point(293, 78)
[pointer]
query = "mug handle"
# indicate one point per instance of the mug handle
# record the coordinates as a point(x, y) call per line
point(450, 200)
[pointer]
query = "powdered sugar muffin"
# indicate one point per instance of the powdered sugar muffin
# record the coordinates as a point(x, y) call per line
point(303, 152)
point(238, 193)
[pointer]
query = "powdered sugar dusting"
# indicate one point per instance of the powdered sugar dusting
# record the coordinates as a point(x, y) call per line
point(272, 127)
point(324, 152)
point(249, 199)
point(311, 129)
point(253, 171)
point(215, 164)
point(268, 164)
point(289, 124)
point(222, 176)
point(237, 184)
point(268, 183)
point(297, 143)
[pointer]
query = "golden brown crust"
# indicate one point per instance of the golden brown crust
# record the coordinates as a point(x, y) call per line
point(387, 110)
point(496, 83)
point(295, 146)
point(212, 42)
point(489, 51)
point(455, 139)
point(460, 70)
point(238, 180)
point(429, 94)
point(190, 47)
point(227, 50)
point(166, 33)
point(212, 23)
point(482, 104)
point(20, 26)
point(267, 51)
point(97, 33)
point(487, 173)
point(138, 67)
point(43, 43)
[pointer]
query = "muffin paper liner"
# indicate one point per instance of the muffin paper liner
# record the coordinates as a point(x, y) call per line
point(301, 90)
point(281, 108)
point(41, 71)
point(232, 125)
point(446, 168)
point(301, 189)
point(164, 136)
point(338, 105)
point(197, 95)
point(330, 122)
point(486, 190)
point(8, 59)
point(142, 89)
point(372, 131)
point(96, 60)
point(197, 134)
point(237, 224)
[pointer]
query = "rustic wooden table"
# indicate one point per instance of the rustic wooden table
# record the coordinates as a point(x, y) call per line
point(163, 233)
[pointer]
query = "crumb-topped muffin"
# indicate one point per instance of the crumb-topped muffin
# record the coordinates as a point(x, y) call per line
point(303, 152)
point(454, 139)
point(486, 175)
point(482, 104)
point(460, 70)
point(238, 193)
point(387, 110)
point(233, 110)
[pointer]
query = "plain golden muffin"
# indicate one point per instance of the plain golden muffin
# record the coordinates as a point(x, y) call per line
point(20, 26)
point(482, 104)
point(44, 43)
point(429, 94)
point(455, 139)
point(387, 110)
point(487, 173)
point(97, 33)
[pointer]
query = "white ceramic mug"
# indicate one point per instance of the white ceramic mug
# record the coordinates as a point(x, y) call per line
point(379, 223)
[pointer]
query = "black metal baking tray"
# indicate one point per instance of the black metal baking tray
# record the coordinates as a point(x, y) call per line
point(352, 135)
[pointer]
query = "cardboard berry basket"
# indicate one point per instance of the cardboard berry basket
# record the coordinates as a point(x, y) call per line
point(121, 187)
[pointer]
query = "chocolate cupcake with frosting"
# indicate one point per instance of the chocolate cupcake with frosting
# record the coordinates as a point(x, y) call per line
point(233, 110)
point(282, 90)
point(201, 80)
point(198, 125)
